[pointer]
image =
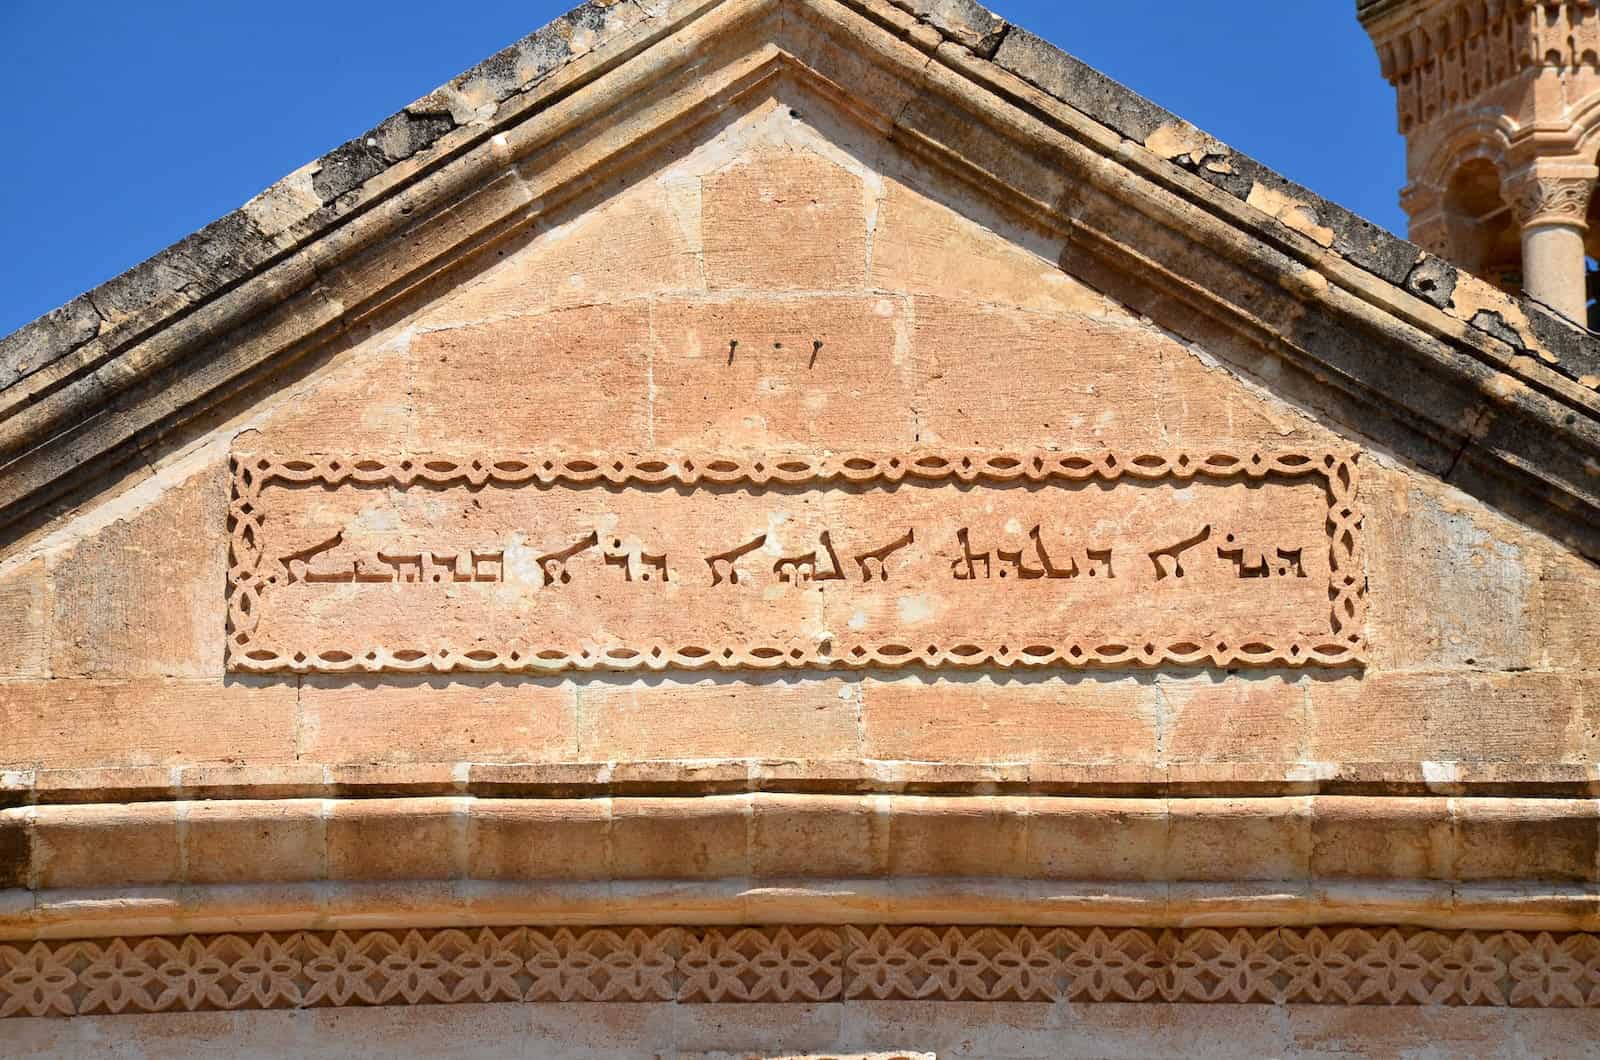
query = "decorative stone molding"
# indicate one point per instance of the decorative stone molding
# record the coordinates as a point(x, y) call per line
point(255, 575)
point(1540, 197)
point(784, 857)
point(306, 969)
point(1440, 54)
point(295, 272)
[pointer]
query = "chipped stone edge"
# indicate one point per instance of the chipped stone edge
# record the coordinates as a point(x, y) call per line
point(276, 228)
point(313, 199)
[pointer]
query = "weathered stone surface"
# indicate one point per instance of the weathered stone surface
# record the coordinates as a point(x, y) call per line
point(819, 207)
point(1022, 718)
point(684, 838)
point(71, 846)
point(730, 375)
point(1212, 718)
point(638, 719)
point(232, 842)
point(794, 836)
point(516, 839)
point(367, 840)
point(25, 620)
point(463, 718)
point(1403, 838)
point(925, 246)
point(1098, 839)
point(643, 241)
point(724, 299)
point(1205, 834)
point(961, 20)
point(145, 721)
point(1453, 717)
point(136, 598)
point(575, 378)
point(987, 373)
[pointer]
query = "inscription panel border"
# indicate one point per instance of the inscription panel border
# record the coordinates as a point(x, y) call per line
point(1344, 645)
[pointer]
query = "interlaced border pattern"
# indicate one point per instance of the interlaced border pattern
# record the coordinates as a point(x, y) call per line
point(1347, 590)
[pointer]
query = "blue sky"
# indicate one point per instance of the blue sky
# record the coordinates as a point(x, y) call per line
point(129, 125)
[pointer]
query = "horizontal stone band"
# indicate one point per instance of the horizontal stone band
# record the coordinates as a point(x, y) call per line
point(1349, 966)
point(792, 858)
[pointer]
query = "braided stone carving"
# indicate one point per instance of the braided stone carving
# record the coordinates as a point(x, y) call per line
point(1343, 644)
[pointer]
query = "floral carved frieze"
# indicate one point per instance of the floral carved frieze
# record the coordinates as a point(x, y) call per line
point(535, 563)
point(1319, 966)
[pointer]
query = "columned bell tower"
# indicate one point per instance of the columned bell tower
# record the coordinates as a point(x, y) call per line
point(1499, 101)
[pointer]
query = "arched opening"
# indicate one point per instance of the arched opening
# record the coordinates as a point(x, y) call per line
point(1484, 234)
point(1484, 237)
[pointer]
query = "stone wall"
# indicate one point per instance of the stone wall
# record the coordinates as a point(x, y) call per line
point(765, 294)
point(788, 282)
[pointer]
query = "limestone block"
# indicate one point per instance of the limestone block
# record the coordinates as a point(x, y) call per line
point(113, 784)
point(784, 219)
point(371, 839)
point(139, 596)
point(732, 375)
point(993, 375)
point(573, 378)
point(360, 401)
point(148, 721)
point(921, 245)
point(1527, 839)
point(1449, 717)
point(1233, 718)
point(1011, 718)
point(249, 842)
point(25, 621)
point(944, 836)
point(636, 243)
point(514, 839)
point(804, 835)
point(1568, 622)
point(72, 845)
point(1394, 837)
point(1477, 573)
point(736, 716)
point(462, 718)
point(691, 839)
point(1097, 839)
point(1239, 839)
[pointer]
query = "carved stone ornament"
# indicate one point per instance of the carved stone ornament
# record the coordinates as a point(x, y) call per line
point(1339, 966)
point(533, 563)
point(1563, 200)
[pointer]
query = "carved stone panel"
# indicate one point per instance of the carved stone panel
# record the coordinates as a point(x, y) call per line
point(540, 563)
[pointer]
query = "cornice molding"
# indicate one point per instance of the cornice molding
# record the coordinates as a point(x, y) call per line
point(269, 864)
point(1216, 247)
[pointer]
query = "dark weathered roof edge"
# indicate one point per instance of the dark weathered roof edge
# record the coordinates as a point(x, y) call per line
point(102, 352)
point(243, 242)
point(1364, 244)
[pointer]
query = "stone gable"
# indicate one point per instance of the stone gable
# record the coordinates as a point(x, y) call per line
point(829, 482)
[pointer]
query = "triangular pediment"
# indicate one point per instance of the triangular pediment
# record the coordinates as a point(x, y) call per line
point(830, 489)
point(1136, 206)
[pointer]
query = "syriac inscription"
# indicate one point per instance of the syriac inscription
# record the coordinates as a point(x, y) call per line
point(533, 563)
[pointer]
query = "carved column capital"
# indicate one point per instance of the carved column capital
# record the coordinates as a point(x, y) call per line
point(1551, 195)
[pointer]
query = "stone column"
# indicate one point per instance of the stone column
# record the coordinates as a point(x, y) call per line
point(1551, 203)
